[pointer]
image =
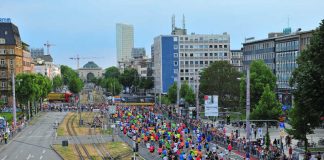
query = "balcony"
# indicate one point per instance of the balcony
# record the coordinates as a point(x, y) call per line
point(3, 65)
point(3, 76)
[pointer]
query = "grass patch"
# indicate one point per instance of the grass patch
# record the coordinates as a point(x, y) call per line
point(119, 149)
point(66, 152)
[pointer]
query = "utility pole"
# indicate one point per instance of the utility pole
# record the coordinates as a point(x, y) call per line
point(197, 97)
point(178, 88)
point(248, 130)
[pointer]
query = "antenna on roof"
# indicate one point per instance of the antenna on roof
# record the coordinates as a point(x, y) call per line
point(173, 22)
point(183, 22)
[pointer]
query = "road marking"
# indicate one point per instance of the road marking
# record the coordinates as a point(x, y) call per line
point(41, 157)
point(29, 156)
point(44, 151)
point(4, 157)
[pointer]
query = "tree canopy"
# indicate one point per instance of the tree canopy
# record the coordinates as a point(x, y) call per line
point(308, 80)
point(172, 93)
point(112, 72)
point(129, 78)
point(260, 76)
point(268, 108)
point(220, 78)
point(57, 82)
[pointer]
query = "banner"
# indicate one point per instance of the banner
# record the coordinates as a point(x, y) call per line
point(211, 105)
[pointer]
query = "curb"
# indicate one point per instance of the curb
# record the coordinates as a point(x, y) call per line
point(56, 152)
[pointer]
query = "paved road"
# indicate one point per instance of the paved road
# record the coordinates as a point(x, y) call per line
point(34, 141)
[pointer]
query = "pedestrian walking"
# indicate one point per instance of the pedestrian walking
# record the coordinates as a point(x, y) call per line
point(6, 137)
point(290, 153)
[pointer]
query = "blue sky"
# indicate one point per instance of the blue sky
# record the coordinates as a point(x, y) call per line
point(87, 27)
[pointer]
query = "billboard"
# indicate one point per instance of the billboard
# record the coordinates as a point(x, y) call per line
point(211, 105)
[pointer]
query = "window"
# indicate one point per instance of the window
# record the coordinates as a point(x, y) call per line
point(181, 70)
point(181, 78)
point(220, 46)
point(210, 54)
point(191, 46)
point(186, 38)
point(206, 54)
point(175, 54)
point(225, 46)
point(215, 54)
point(196, 62)
point(175, 46)
point(2, 51)
point(181, 38)
point(186, 55)
point(206, 62)
point(11, 62)
point(175, 39)
point(181, 54)
point(210, 46)
point(210, 62)
point(175, 63)
point(2, 41)
point(201, 62)
point(187, 78)
point(191, 62)
point(186, 62)
point(2, 61)
point(3, 84)
point(215, 46)
point(181, 46)
point(225, 54)
point(191, 54)
point(186, 70)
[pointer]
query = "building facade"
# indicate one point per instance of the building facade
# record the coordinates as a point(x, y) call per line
point(28, 64)
point(89, 71)
point(138, 53)
point(11, 58)
point(280, 54)
point(124, 42)
point(44, 65)
point(36, 52)
point(186, 56)
point(237, 59)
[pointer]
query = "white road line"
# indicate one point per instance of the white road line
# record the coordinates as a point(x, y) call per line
point(43, 151)
point(41, 157)
point(4, 157)
point(29, 156)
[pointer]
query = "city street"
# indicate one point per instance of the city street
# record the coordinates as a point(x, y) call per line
point(34, 141)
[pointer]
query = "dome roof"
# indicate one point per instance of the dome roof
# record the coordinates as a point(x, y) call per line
point(91, 65)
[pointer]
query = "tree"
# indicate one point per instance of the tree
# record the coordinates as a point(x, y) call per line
point(112, 72)
point(220, 78)
point(187, 93)
point(67, 74)
point(308, 80)
point(260, 76)
point(75, 85)
point(172, 93)
point(57, 82)
point(112, 85)
point(129, 78)
point(268, 108)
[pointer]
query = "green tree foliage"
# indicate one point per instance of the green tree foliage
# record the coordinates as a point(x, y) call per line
point(172, 93)
point(308, 79)
point(260, 76)
point(129, 78)
point(146, 83)
point(187, 93)
point(26, 88)
point(112, 85)
point(67, 74)
point(57, 82)
point(220, 78)
point(112, 72)
point(268, 108)
point(75, 85)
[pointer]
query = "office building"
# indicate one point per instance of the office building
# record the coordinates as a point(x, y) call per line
point(279, 52)
point(28, 65)
point(44, 65)
point(138, 53)
point(236, 59)
point(36, 52)
point(186, 55)
point(124, 43)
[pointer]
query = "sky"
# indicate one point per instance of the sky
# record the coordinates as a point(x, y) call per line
point(88, 27)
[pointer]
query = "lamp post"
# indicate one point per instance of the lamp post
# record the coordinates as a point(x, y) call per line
point(13, 99)
point(248, 130)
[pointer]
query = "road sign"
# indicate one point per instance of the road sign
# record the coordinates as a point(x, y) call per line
point(211, 105)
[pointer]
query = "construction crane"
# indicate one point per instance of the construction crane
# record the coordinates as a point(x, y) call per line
point(48, 45)
point(77, 58)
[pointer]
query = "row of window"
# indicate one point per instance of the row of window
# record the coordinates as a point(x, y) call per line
point(8, 51)
point(202, 46)
point(203, 39)
point(252, 57)
point(3, 61)
point(221, 54)
point(287, 46)
point(258, 46)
